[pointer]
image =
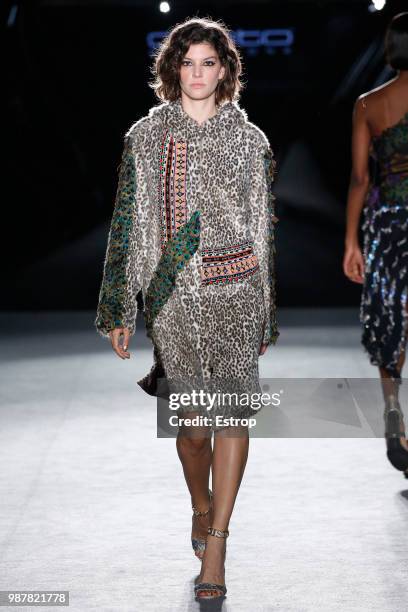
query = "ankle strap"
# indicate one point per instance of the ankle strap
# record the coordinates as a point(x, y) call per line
point(199, 513)
point(219, 533)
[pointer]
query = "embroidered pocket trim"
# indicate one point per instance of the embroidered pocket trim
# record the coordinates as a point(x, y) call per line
point(228, 264)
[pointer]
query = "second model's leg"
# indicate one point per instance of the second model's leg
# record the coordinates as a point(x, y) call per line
point(229, 460)
point(390, 387)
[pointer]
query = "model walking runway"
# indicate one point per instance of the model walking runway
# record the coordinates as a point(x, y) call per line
point(380, 193)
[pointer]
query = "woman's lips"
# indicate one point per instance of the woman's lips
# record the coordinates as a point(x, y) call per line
point(197, 85)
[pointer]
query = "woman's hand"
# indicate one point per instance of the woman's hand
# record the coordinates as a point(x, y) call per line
point(115, 335)
point(263, 349)
point(353, 263)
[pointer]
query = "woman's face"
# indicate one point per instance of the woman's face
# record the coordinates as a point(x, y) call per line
point(200, 71)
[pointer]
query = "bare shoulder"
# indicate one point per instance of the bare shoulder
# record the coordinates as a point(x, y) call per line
point(374, 96)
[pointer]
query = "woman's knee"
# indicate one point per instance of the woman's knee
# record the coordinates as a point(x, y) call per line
point(194, 442)
point(233, 431)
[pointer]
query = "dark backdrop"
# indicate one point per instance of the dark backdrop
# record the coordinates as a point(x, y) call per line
point(76, 79)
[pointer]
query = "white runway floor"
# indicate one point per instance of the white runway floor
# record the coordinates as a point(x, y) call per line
point(94, 503)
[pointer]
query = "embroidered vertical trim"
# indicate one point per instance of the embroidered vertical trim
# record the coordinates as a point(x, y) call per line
point(172, 187)
point(228, 264)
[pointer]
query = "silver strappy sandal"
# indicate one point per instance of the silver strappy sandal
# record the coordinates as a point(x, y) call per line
point(199, 545)
point(212, 586)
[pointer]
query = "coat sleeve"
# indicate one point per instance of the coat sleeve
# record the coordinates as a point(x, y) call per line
point(123, 264)
point(262, 222)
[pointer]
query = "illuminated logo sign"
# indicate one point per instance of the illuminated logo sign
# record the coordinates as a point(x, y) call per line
point(252, 41)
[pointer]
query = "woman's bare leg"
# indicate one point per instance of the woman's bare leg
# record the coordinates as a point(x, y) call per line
point(195, 452)
point(229, 460)
point(391, 387)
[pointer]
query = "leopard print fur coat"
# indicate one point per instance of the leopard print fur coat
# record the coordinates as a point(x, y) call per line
point(192, 233)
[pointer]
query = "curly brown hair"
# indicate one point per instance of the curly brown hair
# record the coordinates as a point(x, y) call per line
point(167, 61)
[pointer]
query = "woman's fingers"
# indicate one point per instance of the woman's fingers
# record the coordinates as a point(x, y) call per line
point(115, 335)
point(126, 335)
point(263, 349)
point(348, 263)
point(353, 265)
point(360, 268)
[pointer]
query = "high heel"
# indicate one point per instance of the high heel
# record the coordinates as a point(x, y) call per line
point(394, 430)
point(197, 544)
point(212, 586)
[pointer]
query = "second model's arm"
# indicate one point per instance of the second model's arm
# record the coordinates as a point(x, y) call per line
point(353, 263)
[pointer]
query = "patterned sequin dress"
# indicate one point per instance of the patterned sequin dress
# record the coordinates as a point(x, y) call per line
point(193, 232)
point(385, 226)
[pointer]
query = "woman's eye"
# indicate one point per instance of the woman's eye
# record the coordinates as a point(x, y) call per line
point(206, 63)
